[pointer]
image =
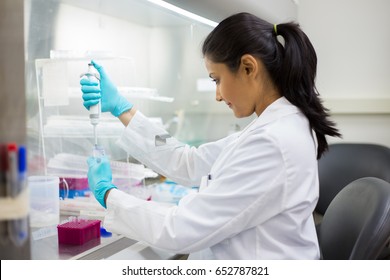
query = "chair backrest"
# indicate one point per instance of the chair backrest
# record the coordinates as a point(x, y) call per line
point(346, 162)
point(356, 224)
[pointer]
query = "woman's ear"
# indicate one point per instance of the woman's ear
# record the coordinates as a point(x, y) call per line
point(249, 64)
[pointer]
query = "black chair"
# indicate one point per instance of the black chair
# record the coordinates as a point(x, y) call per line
point(356, 225)
point(346, 162)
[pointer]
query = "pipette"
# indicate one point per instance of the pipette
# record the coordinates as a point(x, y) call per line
point(94, 111)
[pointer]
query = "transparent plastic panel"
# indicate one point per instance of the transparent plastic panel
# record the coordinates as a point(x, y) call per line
point(152, 54)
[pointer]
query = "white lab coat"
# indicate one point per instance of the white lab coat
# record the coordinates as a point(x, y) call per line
point(258, 190)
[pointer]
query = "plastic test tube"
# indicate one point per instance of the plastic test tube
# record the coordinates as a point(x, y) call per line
point(19, 228)
point(98, 152)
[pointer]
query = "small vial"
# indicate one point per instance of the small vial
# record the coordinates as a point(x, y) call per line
point(98, 152)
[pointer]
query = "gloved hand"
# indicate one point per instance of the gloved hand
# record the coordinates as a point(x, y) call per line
point(111, 100)
point(99, 177)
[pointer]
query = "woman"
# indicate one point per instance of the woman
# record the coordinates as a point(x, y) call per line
point(258, 187)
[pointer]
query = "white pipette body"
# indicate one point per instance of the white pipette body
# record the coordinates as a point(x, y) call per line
point(94, 111)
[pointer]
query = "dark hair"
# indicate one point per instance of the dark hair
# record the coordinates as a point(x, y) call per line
point(292, 66)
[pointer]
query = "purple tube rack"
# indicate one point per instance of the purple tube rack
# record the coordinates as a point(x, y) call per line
point(78, 232)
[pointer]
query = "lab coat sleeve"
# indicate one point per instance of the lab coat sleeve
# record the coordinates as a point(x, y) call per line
point(242, 195)
point(151, 144)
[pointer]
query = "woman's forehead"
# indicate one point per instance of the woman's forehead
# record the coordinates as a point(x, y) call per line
point(213, 66)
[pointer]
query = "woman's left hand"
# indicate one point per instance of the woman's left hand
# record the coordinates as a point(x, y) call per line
point(99, 177)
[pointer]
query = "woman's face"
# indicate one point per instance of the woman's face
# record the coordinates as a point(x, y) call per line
point(246, 91)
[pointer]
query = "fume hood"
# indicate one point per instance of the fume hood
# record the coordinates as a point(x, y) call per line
point(151, 48)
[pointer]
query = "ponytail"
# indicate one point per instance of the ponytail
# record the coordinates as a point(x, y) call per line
point(296, 81)
point(292, 66)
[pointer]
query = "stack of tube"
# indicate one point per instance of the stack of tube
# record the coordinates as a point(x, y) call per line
point(14, 204)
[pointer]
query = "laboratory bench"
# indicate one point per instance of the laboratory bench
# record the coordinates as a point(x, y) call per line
point(45, 246)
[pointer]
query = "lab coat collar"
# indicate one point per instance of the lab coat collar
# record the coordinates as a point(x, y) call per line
point(276, 110)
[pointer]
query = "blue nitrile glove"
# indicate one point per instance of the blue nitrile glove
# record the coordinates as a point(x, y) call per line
point(112, 100)
point(99, 177)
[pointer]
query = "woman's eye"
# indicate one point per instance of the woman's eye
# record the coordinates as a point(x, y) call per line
point(216, 81)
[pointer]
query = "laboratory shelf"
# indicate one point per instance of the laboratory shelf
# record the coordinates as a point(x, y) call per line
point(73, 126)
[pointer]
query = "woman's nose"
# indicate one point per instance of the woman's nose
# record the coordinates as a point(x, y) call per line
point(218, 97)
